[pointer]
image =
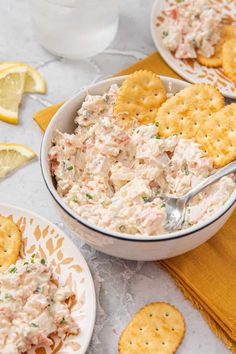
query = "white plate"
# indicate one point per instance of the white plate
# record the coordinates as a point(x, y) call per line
point(191, 70)
point(42, 237)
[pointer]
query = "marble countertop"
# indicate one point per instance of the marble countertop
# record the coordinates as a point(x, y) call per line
point(122, 287)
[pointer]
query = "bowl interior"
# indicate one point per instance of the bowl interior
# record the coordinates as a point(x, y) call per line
point(63, 120)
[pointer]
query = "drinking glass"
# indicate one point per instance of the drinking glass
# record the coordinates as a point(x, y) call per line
point(75, 28)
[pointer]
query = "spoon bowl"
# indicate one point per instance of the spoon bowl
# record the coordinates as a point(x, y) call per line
point(176, 206)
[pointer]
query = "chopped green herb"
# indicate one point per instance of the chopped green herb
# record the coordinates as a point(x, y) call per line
point(32, 260)
point(37, 290)
point(157, 136)
point(13, 270)
point(25, 263)
point(70, 168)
point(186, 170)
point(163, 205)
point(76, 200)
point(122, 228)
point(164, 34)
point(42, 261)
point(89, 196)
point(106, 97)
point(146, 199)
point(7, 296)
point(137, 131)
point(62, 321)
point(157, 124)
point(33, 324)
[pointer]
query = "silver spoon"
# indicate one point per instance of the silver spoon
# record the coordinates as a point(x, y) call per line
point(176, 206)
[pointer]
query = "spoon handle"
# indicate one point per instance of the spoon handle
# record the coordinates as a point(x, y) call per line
point(221, 172)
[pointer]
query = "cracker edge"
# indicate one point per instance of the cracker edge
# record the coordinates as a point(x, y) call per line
point(19, 240)
point(228, 73)
point(150, 304)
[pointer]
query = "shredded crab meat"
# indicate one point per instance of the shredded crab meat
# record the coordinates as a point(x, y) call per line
point(32, 307)
point(115, 178)
point(191, 26)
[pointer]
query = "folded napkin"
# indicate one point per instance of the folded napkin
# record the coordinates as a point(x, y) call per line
point(206, 275)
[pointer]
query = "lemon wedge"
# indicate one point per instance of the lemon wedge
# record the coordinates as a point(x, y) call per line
point(34, 82)
point(12, 82)
point(13, 156)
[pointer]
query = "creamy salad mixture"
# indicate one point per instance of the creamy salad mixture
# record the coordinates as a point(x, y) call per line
point(191, 25)
point(32, 307)
point(109, 175)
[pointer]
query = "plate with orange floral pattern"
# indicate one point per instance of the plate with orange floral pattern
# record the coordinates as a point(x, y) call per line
point(44, 239)
point(190, 69)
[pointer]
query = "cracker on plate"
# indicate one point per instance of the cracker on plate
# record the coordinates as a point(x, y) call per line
point(227, 32)
point(139, 98)
point(229, 59)
point(184, 113)
point(157, 328)
point(217, 136)
point(10, 243)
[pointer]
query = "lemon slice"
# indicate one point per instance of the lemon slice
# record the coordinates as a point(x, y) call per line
point(13, 156)
point(12, 82)
point(34, 82)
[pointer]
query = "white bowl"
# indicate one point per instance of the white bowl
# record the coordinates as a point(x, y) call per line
point(142, 248)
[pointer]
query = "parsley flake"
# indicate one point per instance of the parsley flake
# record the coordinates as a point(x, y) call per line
point(37, 290)
point(42, 261)
point(146, 199)
point(186, 170)
point(89, 196)
point(13, 270)
point(122, 228)
point(34, 325)
point(62, 321)
point(164, 34)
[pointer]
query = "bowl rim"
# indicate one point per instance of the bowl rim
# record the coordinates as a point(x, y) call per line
point(106, 232)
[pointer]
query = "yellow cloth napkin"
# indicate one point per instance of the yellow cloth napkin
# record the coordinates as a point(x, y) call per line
point(206, 275)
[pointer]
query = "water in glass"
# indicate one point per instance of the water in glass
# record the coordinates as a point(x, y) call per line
point(75, 28)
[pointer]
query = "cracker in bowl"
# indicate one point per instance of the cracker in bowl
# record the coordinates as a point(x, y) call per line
point(140, 96)
point(184, 113)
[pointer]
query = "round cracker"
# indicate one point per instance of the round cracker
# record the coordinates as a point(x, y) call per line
point(139, 98)
point(217, 136)
point(226, 32)
point(229, 59)
point(10, 243)
point(184, 113)
point(157, 328)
